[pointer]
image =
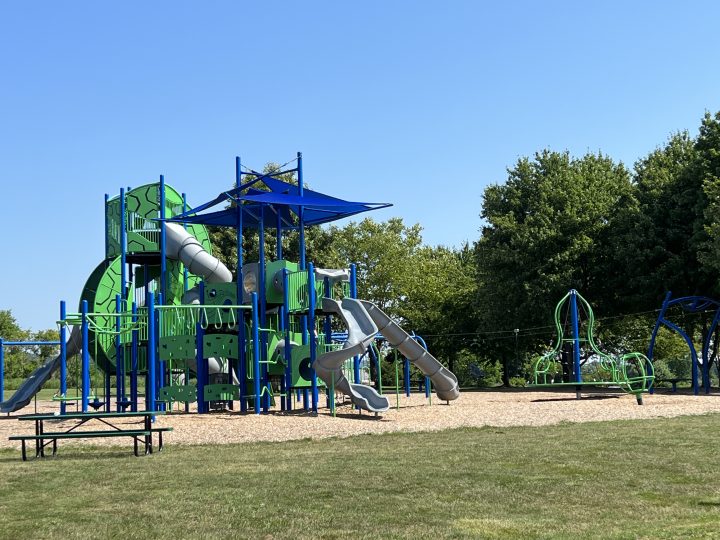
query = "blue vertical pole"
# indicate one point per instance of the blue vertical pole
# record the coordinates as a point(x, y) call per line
point(85, 364)
point(118, 355)
point(185, 270)
point(107, 228)
point(406, 376)
point(288, 348)
point(256, 351)
point(201, 364)
point(160, 374)
point(123, 243)
point(576, 335)
point(301, 212)
point(278, 238)
point(134, 361)
point(151, 350)
point(301, 249)
point(108, 391)
point(163, 242)
point(242, 339)
point(353, 294)
point(63, 359)
point(313, 340)
point(696, 389)
point(263, 308)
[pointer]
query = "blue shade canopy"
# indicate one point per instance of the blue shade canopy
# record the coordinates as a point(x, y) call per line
point(279, 207)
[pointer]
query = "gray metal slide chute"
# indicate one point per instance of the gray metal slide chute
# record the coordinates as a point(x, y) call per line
point(361, 332)
point(32, 385)
point(443, 380)
point(183, 246)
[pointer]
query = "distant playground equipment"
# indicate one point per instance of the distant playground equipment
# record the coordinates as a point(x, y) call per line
point(162, 307)
point(577, 362)
point(701, 364)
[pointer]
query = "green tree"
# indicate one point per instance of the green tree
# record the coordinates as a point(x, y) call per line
point(546, 231)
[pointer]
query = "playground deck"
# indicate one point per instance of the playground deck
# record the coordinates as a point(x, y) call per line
point(473, 409)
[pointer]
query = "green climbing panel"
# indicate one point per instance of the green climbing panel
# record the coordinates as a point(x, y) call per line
point(220, 346)
point(221, 392)
point(175, 348)
point(184, 393)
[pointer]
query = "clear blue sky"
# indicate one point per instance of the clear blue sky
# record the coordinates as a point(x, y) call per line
point(421, 104)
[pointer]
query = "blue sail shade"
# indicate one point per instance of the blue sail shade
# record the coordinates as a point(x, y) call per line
point(283, 201)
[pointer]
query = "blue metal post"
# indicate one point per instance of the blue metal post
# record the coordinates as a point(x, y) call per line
point(263, 306)
point(119, 375)
point(406, 376)
point(256, 351)
point(63, 359)
point(287, 351)
point(242, 339)
point(353, 294)
point(107, 228)
point(134, 361)
point(278, 238)
point(160, 374)
point(151, 349)
point(695, 385)
point(163, 242)
point(201, 370)
point(301, 212)
point(123, 244)
point(185, 270)
point(576, 335)
point(421, 341)
point(313, 340)
point(85, 365)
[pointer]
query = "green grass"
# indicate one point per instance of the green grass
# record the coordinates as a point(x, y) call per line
point(629, 479)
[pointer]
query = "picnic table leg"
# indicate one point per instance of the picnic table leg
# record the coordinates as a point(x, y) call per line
point(54, 447)
point(135, 446)
point(148, 437)
point(24, 454)
point(37, 439)
point(160, 441)
point(42, 441)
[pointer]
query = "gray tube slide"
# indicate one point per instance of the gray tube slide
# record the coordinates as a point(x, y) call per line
point(183, 246)
point(444, 381)
point(361, 332)
point(39, 377)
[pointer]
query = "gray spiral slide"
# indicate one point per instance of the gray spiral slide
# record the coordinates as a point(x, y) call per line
point(363, 320)
point(361, 332)
point(32, 385)
point(443, 380)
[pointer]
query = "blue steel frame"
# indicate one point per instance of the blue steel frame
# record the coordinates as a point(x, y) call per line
point(689, 304)
point(156, 369)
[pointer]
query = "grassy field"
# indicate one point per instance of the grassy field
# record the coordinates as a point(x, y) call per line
point(630, 479)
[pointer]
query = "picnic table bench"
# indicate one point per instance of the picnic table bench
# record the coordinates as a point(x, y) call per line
point(141, 436)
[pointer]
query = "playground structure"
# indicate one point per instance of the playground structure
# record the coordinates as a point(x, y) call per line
point(162, 308)
point(700, 363)
point(577, 362)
